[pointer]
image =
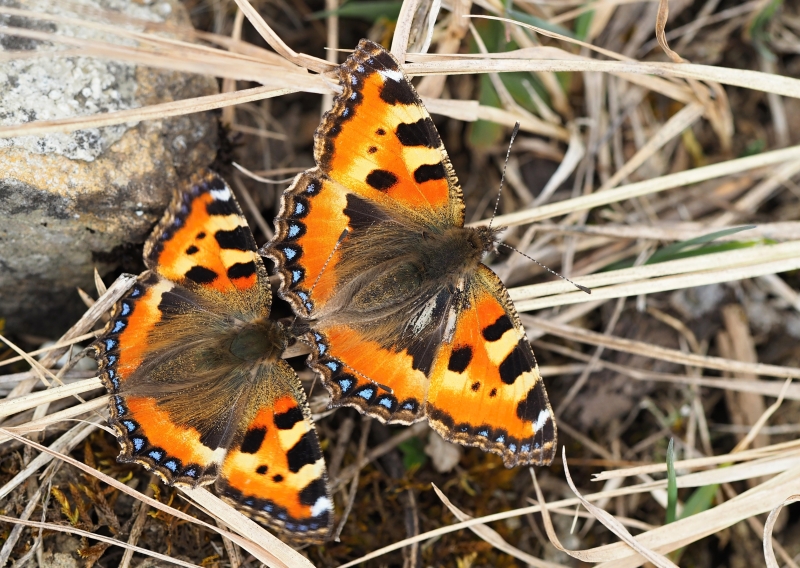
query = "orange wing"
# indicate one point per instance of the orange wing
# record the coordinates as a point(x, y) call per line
point(304, 258)
point(485, 389)
point(276, 472)
point(377, 150)
point(179, 357)
point(379, 141)
point(147, 434)
point(203, 241)
point(359, 372)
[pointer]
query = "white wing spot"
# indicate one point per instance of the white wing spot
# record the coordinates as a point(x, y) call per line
point(221, 194)
point(322, 505)
point(395, 76)
point(541, 419)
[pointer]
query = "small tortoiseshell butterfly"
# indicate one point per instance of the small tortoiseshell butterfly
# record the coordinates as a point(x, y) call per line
point(199, 393)
point(402, 300)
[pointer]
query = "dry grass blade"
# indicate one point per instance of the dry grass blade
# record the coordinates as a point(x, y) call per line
point(769, 554)
point(101, 538)
point(776, 449)
point(58, 345)
point(677, 123)
point(755, 80)
point(72, 412)
point(64, 443)
point(662, 353)
point(276, 43)
point(638, 189)
point(152, 112)
point(608, 521)
point(493, 537)
point(759, 424)
point(640, 275)
point(15, 405)
point(278, 554)
point(667, 283)
point(402, 30)
point(661, 24)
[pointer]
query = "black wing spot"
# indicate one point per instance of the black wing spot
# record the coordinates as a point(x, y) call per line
point(492, 393)
point(277, 478)
point(242, 270)
point(201, 275)
point(192, 250)
point(305, 452)
point(429, 172)
point(381, 179)
point(475, 386)
point(236, 239)
point(262, 470)
point(459, 359)
point(222, 208)
point(528, 408)
point(252, 440)
point(201, 235)
point(416, 133)
point(312, 492)
point(515, 364)
point(497, 329)
point(397, 92)
point(362, 213)
point(380, 132)
point(372, 149)
point(288, 419)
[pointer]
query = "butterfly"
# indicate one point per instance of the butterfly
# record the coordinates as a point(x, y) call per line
point(198, 391)
point(371, 249)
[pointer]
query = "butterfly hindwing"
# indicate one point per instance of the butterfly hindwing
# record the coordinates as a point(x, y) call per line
point(361, 373)
point(147, 434)
point(192, 363)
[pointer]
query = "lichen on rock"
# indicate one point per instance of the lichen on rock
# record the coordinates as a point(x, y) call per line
point(72, 202)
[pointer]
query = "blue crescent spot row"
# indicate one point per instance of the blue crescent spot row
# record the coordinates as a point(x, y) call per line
point(310, 496)
point(108, 346)
point(140, 448)
point(292, 228)
point(365, 394)
point(484, 431)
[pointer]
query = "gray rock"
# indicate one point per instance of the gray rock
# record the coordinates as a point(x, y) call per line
point(70, 202)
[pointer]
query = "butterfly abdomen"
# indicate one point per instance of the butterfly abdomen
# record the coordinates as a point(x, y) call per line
point(259, 340)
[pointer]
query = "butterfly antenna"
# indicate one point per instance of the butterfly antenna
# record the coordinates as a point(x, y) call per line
point(322, 270)
point(330, 256)
point(324, 266)
point(553, 272)
point(356, 371)
point(503, 177)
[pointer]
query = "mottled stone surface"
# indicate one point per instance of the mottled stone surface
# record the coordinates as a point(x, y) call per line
point(70, 202)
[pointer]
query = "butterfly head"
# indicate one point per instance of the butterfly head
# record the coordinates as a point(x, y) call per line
point(484, 239)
